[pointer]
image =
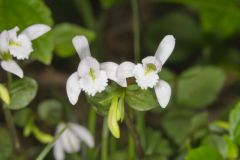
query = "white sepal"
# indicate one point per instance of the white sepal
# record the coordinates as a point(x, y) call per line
point(125, 70)
point(58, 151)
point(4, 40)
point(86, 64)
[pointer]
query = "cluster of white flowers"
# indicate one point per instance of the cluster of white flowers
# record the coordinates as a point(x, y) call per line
point(18, 46)
point(92, 77)
point(70, 140)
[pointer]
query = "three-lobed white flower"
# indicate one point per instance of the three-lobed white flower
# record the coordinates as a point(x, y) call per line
point(146, 74)
point(71, 139)
point(18, 46)
point(89, 76)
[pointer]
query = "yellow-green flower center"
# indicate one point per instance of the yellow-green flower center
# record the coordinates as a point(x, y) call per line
point(150, 68)
point(5, 56)
point(13, 43)
point(92, 74)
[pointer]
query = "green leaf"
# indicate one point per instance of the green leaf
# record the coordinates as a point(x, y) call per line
point(24, 13)
point(215, 13)
point(232, 149)
point(23, 116)
point(234, 120)
point(6, 147)
point(176, 124)
point(22, 92)
point(204, 153)
point(199, 86)
point(47, 108)
point(141, 100)
point(187, 34)
point(4, 95)
point(43, 48)
point(63, 35)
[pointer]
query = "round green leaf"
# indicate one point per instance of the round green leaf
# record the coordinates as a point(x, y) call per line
point(23, 116)
point(47, 108)
point(22, 92)
point(141, 100)
point(199, 86)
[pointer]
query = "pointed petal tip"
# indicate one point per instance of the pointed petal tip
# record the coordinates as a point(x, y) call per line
point(163, 93)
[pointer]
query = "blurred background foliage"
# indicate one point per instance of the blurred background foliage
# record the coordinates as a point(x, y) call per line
point(202, 120)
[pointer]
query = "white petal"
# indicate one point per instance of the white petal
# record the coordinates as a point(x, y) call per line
point(73, 88)
point(90, 86)
point(4, 40)
point(83, 134)
point(12, 67)
point(86, 64)
point(111, 68)
point(163, 93)
point(81, 45)
point(165, 48)
point(23, 48)
point(36, 31)
point(145, 80)
point(125, 70)
point(152, 60)
point(58, 151)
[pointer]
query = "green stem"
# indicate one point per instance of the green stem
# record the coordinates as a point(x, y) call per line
point(136, 30)
point(104, 151)
point(135, 136)
point(141, 126)
point(47, 149)
point(85, 10)
point(92, 121)
point(92, 128)
point(131, 148)
point(12, 128)
point(10, 121)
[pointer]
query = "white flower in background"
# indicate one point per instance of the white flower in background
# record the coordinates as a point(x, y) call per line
point(89, 76)
point(71, 139)
point(18, 46)
point(146, 74)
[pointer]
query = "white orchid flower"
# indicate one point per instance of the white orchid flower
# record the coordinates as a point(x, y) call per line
point(18, 46)
point(89, 76)
point(71, 139)
point(146, 74)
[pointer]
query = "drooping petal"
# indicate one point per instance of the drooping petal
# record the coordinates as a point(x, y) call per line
point(81, 45)
point(165, 48)
point(12, 67)
point(86, 64)
point(82, 133)
point(152, 60)
point(125, 70)
point(73, 88)
point(145, 80)
point(36, 30)
point(163, 93)
point(58, 151)
point(4, 40)
point(21, 47)
point(111, 68)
